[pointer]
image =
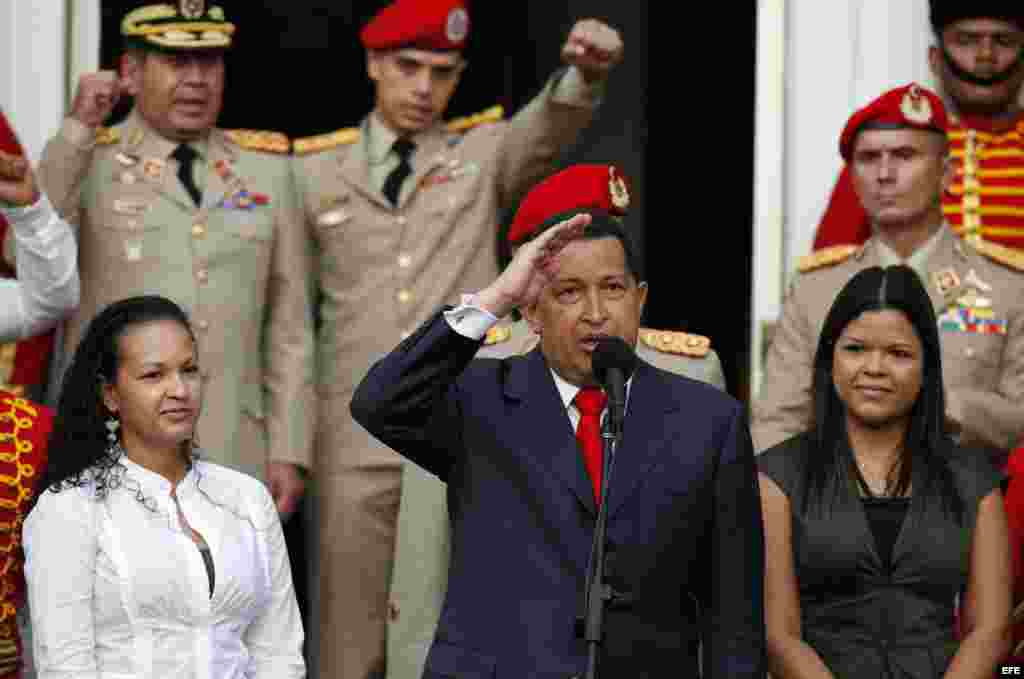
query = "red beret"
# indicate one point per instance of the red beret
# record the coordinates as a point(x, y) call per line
point(424, 24)
point(8, 144)
point(908, 106)
point(580, 187)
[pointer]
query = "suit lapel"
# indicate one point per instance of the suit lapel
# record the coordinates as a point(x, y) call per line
point(160, 170)
point(354, 170)
point(949, 253)
point(545, 428)
point(645, 433)
point(220, 183)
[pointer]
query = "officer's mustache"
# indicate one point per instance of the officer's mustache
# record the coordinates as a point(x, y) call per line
point(979, 80)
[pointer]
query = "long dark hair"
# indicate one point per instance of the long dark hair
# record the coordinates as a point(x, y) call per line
point(926, 443)
point(78, 450)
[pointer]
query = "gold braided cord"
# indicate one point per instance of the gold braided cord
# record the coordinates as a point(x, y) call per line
point(191, 27)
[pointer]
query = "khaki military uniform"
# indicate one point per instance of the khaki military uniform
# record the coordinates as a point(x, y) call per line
point(383, 271)
point(420, 577)
point(239, 265)
point(978, 293)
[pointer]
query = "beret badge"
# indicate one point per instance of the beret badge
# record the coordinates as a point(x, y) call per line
point(915, 107)
point(618, 190)
point(457, 25)
point(192, 9)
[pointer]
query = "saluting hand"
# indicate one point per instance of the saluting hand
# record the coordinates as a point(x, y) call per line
point(17, 181)
point(534, 266)
point(594, 48)
point(95, 98)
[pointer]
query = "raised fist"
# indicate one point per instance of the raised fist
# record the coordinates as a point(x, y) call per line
point(95, 98)
point(594, 48)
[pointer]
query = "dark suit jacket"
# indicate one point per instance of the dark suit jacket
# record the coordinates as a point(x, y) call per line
point(684, 526)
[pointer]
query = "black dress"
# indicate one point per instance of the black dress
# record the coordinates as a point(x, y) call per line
point(868, 614)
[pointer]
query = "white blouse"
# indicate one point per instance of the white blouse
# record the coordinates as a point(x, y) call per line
point(118, 591)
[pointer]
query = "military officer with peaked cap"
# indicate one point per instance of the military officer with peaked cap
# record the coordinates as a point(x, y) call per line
point(897, 151)
point(420, 575)
point(405, 210)
point(167, 203)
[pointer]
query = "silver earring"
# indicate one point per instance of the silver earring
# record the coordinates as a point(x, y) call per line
point(112, 426)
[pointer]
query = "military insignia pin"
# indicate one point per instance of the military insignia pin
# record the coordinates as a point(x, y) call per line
point(192, 9)
point(915, 106)
point(617, 188)
point(946, 281)
point(333, 218)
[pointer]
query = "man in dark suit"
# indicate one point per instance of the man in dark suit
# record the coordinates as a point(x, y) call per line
point(685, 544)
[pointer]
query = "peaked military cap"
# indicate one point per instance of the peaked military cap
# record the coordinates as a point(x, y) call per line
point(185, 25)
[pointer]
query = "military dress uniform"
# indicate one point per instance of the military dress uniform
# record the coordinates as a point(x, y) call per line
point(383, 270)
point(24, 431)
point(238, 262)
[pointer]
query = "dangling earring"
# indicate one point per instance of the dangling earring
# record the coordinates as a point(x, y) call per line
point(113, 424)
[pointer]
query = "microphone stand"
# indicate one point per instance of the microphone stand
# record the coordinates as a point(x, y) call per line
point(598, 594)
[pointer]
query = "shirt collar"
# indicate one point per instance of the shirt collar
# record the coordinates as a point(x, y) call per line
point(918, 259)
point(152, 483)
point(568, 391)
point(379, 139)
point(158, 146)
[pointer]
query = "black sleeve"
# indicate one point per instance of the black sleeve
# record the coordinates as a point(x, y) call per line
point(409, 398)
point(783, 464)
point(735, 644)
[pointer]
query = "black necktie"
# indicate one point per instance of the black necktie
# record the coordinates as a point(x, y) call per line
point(186, 155)
point(393, 184)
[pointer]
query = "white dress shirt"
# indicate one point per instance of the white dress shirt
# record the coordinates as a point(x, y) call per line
point(118, 591)
point(47, 287)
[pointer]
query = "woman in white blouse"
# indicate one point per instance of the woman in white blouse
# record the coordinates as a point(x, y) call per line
point(142, 560)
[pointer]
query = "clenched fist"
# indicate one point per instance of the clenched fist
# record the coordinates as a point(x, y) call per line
point(17, 183)
point(95, 98)
point(594, 48)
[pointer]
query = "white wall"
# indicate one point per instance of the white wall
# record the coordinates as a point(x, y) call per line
point(836, 56)
point(32, 68)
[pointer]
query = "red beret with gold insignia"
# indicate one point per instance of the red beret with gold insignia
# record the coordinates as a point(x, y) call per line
point(423, 24)
point(579, 187)
point(910, 106)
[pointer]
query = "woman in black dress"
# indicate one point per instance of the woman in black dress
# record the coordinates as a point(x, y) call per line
point(875, 519)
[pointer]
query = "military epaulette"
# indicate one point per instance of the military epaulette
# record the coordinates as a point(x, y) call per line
point(497, 334)
point(105, 136)
point(1010, 257)
point(672, 342)
point(259, 140)
point(491, 115)
point(323, 142)
point(820, 259)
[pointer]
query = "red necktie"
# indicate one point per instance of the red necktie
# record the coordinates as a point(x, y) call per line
point(590, 402)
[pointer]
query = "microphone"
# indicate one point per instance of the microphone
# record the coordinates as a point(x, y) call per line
point(613, 362)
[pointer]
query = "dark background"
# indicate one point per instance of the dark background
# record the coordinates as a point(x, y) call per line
point(678, 118)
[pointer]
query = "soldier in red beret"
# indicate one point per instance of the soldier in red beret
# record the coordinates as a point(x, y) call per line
point(978, 60)
point(405, 210)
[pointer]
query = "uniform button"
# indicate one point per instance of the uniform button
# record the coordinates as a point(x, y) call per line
point(969, 352)
point(203, 324)
point(402, 221)
point(198, 230)
point(404, 296)
point(203, 275)
point(392, 611)
point(404, 261)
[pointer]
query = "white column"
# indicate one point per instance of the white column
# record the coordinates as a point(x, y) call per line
point(84, 47)
point(32, 68)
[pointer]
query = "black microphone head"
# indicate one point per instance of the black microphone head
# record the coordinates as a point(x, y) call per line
point(612, 353)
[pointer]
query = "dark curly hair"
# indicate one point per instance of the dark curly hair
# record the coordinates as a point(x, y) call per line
point(78, 450)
